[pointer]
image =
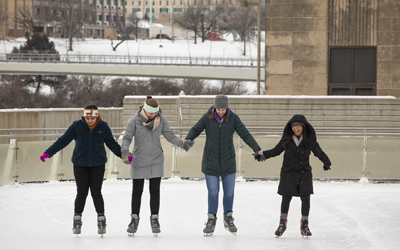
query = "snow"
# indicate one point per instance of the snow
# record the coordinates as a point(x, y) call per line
point(344, 215)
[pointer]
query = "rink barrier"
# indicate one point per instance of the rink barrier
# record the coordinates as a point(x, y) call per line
point(354, 155)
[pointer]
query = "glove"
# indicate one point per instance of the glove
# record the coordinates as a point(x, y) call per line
point(127, 157)
point(187, 144)
point(44, 156)
point(258, 157)
point(326, 167)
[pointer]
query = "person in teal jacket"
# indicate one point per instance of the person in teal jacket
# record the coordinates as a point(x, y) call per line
point(89, 158)
point(219, 158)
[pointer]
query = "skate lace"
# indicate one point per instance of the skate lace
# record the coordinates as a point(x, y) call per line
point(229, 220)
point(134, 223)
point(155, 223)
point(210, 223)
point(101, 223)
point(77, 223)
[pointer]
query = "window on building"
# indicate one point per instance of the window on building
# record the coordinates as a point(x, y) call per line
point(37, 11)
point(178, 10)
point(99, 17)
point(352, 71)
point(89, 32)
point(163, 10)
point(99, 2)
point(148, 10)
point(97, 32)
point(135, 10)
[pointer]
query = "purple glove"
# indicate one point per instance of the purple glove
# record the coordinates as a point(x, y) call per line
point(44, 156)
point(130, 158)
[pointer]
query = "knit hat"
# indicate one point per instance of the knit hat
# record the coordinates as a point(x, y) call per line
point(221, 102)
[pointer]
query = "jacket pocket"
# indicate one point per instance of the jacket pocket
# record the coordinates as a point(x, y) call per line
point(286, 168)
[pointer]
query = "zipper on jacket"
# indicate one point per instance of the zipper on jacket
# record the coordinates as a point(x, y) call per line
point(220, 129)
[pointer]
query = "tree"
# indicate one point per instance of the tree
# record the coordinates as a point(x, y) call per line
point(242, 20)
point(71, 15)
point(3, 17)
point(126, 29)
point(24, 18)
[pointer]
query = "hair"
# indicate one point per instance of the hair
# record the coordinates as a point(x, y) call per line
point(91, 106)
point(213, 113)
point(151, 102)
point(289, 134)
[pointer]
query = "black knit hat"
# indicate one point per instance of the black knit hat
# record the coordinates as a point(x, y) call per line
point(221, 102)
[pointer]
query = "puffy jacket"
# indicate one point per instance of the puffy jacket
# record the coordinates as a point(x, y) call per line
point(296, 175)
point(219, 156)
point(89, 145)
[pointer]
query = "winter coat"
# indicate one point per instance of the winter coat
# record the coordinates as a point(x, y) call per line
point(148, 161)
point(219, 156)
point(89, 148)
point(296, 176)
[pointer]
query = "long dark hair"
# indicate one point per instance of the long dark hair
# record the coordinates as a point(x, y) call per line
point(289, 134)
point(213, 113)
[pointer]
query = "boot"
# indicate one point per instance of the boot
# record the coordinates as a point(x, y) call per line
point(304, 230)
point(210, 224)
point(101, 225)
point(155, 224)
point(228, 223)
point(282, 227)
point(133, 226)
point(76, 229)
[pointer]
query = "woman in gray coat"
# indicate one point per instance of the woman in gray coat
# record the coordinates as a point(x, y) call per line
point(147, 158)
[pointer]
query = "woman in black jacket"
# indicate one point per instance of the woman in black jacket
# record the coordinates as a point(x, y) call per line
point(298, 141)
point(89, 158)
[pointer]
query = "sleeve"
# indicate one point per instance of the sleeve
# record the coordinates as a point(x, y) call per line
point(246, 135)
point(129, 133)
point(111, 143)
point(169, 135)
point(196, 130)
point(318, 152)
point(277, 150)
point(63, 141)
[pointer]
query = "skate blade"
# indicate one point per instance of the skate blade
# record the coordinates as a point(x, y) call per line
point(155, 234)
point(208, 234)
point(306, 236)
point(131, 234)
point(234, 233)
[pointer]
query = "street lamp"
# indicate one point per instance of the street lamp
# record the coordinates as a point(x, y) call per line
point(246, 4)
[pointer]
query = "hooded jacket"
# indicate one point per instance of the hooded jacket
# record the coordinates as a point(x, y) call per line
point(296, 176)
point(89, 148)
point(219, 156)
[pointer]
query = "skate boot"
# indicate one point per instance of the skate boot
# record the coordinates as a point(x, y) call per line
point(228, 223)
point(76, 229)
point(282, 227)
point(304, 230)
point(210, 225)
point(133, 226)
point(155, 225)
point(101, 225)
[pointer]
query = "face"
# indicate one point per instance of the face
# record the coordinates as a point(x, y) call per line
point(151, 115)
point(221, 112)
point(90, 120)
point(297, 129)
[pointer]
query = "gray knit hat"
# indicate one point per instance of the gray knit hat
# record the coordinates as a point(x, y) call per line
point(221, 102)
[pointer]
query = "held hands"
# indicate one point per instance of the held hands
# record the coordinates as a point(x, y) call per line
point(326, 167)
point(127, 157)
point(187, 144)
point(44, 156)
point(259, 156)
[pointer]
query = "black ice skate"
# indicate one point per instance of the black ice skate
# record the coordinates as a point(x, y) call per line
point(155, 224)
point(101, 225)
point(228, 223)
point(304, 230)
point(76, 229)
point(133, 226)
point(210, 225)
point(282, 227)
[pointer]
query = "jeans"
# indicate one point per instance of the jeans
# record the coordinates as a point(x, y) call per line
point(228, 185)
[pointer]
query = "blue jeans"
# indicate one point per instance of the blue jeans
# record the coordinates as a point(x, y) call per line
point(228, 185)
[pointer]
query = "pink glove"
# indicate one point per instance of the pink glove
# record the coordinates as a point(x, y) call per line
point(44, 156)
point(130, 158)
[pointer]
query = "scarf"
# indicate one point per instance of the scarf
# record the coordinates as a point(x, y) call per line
point(297, 140)
point(219, 118)
point(150, 124)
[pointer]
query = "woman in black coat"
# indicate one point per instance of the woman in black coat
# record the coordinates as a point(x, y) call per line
point(298, 141)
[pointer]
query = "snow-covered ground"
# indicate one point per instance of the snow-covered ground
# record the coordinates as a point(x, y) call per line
point(344, 215)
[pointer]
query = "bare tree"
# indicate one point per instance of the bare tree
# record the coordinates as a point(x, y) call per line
point(24, 18)
point(3, 17)
point(71, 15)
point(126, 29)
point(242, 20)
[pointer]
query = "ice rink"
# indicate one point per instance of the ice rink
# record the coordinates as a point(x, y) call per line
point(344, 215)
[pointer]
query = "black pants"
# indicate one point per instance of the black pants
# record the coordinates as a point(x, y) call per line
point(137, 191)
point(305, 204)
point(85, 178)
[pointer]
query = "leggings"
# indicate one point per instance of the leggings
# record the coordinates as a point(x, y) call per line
point(137, 191)
point(305, 204)
point(89, 178)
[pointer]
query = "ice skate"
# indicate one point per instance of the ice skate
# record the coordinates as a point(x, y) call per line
point(304, 230)
point(76, 229)
point(282, 227)
point(210, 225)
point(228, 223)
point(133, 226)
point(155, 224)
point(101, 225)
